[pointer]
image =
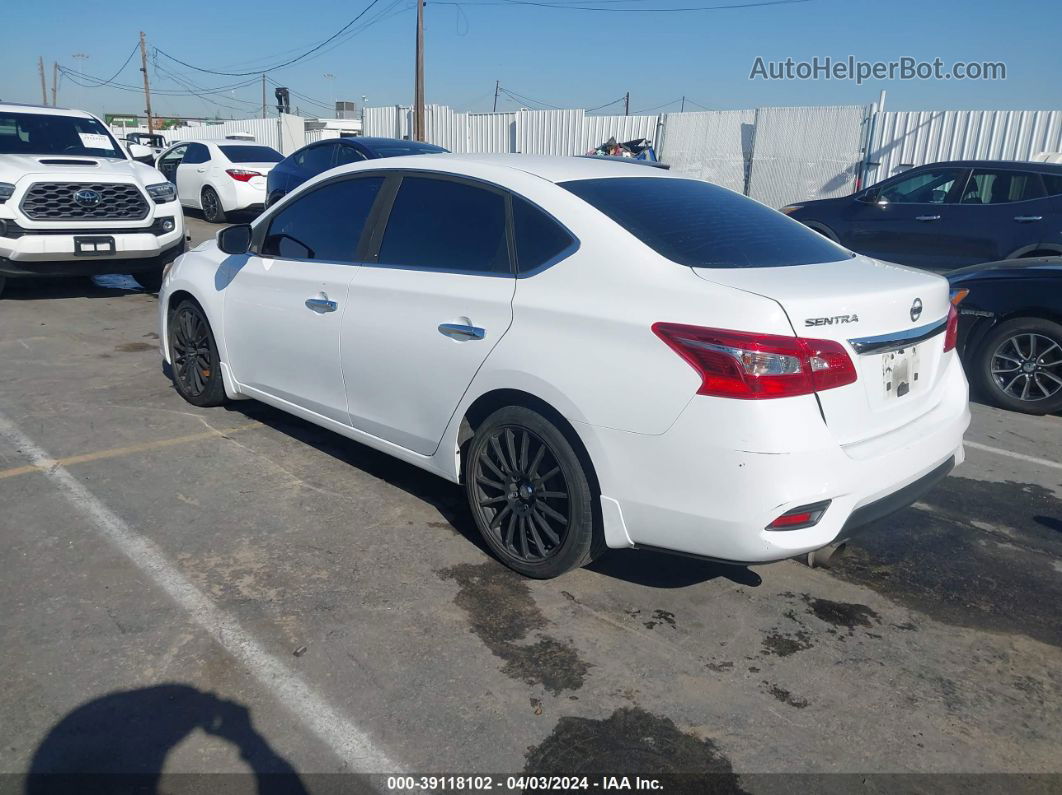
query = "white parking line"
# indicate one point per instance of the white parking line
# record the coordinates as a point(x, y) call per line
point(349, 741)
point(1019, 456)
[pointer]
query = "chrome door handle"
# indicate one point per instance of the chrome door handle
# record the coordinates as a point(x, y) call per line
point(927, 217)
point(461, 331)
point(321, 305)
point(1028, 219)
point(201, 170)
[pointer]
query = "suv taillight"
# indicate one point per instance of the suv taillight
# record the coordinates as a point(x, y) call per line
point(242, 174)
point(747, 366)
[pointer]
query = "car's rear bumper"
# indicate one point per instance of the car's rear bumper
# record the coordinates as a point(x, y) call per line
point(715, 480)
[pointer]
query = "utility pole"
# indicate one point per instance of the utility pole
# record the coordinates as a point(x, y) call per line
point(418, 89)
point(55, 82)
point(147, 88)
point(683, 104)
point(627, 104)
point(497, 87)
point(263, 96)
point(44, 91)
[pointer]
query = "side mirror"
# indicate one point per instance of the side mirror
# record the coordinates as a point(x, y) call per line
point(235, 239)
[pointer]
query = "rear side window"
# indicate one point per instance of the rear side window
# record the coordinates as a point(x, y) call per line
point(316, 159)
point(1052, 183)
point(447, 225)
point(704, 226)
point(1001, 187)
point(324, 224)
point(348, 154)
point(539, 239)
point(251, 154)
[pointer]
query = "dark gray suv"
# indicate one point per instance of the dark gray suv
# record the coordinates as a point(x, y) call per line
point(948, 215)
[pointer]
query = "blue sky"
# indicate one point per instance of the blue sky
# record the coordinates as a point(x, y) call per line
point(563, 57)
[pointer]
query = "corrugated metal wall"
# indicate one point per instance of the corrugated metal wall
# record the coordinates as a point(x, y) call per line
point(549, 132)
point(913, 138)
point(491, 132)
point(712, 145)
point(806, 153)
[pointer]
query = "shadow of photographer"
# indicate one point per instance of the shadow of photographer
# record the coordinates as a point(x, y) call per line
point(119, 743)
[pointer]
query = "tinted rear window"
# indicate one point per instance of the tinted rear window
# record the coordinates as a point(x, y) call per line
point(704, 226)
point(251, 154)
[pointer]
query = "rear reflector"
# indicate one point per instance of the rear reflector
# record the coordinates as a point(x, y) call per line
point(746, 366)
point(798, 518)
point(242, 174)
point(951, 335)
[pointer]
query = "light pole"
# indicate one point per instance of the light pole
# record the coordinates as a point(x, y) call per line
point(331, 78)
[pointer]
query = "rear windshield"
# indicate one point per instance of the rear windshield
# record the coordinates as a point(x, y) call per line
point(251, 154)
point(48, 134)
point(704, 226)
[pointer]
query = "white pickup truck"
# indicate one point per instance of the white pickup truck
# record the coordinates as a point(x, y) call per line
point(73, 203)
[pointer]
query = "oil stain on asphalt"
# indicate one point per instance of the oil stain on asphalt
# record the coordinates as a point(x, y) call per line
point(1000, 573)
point(503, 614)
point(631, 742)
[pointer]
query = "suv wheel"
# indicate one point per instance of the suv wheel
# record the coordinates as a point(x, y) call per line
point(530, 494)
point(212, 209)
point(1019, 365)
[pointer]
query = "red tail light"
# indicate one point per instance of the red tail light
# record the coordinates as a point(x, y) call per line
point(242, 174)
point(739, 364)
point(951, 336)
point(799, 518)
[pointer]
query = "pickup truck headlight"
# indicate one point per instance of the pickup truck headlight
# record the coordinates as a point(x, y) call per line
point(6, 189)
point(162, 193)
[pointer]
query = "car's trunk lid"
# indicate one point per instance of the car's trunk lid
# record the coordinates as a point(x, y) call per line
point(891, 319)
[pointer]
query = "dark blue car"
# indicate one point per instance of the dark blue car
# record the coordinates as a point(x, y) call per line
point(948, 215)
point(317, 157)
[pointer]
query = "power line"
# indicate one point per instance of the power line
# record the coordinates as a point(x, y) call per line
point(599, 107)
point(257, 72)
point(658, 107)
point(121, 68)
point(520, 98)
point(613, 10)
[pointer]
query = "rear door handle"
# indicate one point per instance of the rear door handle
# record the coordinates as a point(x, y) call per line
point(460, 331)
point(1028, 219)
point(927, 217)
point(321, 305)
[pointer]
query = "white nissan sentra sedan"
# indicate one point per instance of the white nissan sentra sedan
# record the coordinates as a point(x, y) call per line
point(603, 354)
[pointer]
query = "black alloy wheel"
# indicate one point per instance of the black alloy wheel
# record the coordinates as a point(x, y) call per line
point(1019, 365)
point(530, 495)
point(196, 365)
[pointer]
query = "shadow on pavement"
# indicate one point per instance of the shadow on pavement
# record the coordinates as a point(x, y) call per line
point(118, 744)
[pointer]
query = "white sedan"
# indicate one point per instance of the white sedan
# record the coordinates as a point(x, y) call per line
point(219, 177)
point(603, 354)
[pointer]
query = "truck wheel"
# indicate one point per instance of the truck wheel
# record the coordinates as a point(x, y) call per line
point(212, 209)
point(151, 280)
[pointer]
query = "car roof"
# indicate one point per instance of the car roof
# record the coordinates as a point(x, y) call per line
point(369, 140)
point(43, 110)
point(1023, 165)
point(548, 167)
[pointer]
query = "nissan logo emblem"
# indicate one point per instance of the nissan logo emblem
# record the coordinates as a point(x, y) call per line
point(916, 309)
point(87, 197)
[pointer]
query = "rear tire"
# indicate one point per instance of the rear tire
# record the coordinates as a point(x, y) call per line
point(1016, 365)
point(196, 364)
point(530, 494)
point(211, 203)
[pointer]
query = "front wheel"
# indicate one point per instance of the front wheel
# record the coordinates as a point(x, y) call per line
point(196, 364)
point(212, 209)
point(1019, 365)
point(530, 494)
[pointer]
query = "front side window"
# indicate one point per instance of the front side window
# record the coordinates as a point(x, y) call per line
point(447, 225)
point(925, 187)
point(173, 158)
point(251, 154)
point(704, 226)
point(49, 134)
point(1001, 187)
point(348, 154)
point(539, 239)
point(324, 224)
